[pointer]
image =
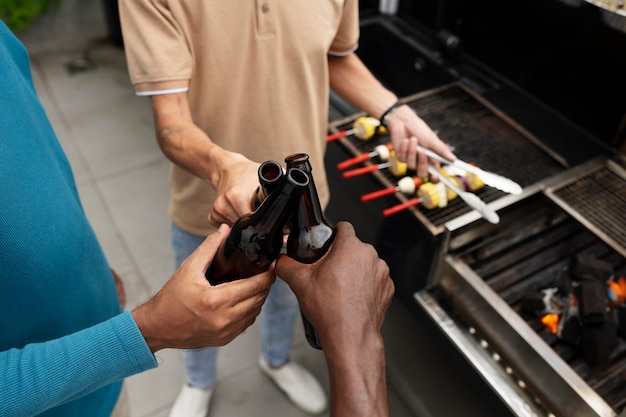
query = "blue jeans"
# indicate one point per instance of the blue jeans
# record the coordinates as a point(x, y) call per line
point(277, 320)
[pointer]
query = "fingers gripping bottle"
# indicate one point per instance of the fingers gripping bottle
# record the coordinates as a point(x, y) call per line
point(255, 240)
point(310, 235)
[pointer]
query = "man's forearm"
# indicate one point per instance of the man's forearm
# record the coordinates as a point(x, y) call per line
point(357, 379)
point(352, 80)
point(184, 143)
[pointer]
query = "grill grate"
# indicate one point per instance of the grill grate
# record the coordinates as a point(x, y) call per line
point(479, 134)
point(599, 198)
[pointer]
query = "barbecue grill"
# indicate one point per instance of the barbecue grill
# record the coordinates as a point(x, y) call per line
point(479, 272)
point(531, 90)
point(481, 281)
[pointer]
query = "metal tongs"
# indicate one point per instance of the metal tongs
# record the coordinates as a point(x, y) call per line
point(471, 199)
point(489, 178)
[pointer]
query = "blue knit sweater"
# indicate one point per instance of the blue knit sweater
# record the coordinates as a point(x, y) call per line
point(65, 343)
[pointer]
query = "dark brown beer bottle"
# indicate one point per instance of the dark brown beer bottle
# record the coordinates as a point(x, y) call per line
point(255, 240)
point(270, 174)
point(310, 235)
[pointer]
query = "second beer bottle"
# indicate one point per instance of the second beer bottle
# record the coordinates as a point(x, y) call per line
point(255, 240)
point(310, 235)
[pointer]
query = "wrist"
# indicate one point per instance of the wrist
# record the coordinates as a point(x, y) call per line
point(221, 161)
point(384, 118)
point(357, 369)
point(142, 318)
point(346, 347)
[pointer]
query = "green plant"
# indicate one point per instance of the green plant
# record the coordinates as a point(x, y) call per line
point(18, 14)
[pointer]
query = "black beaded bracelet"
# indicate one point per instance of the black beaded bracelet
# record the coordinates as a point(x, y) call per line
point(389, 111)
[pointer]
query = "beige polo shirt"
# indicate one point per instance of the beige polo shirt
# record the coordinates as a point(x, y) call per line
point(256, 75)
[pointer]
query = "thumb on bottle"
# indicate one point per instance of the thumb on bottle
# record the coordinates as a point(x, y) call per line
point(291, 271)
point(205, 253)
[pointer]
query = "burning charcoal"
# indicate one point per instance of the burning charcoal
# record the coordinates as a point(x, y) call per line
point(588, 267)
point(542, 302)
point(569, 332)
point(617, 292)
point(551, 321)
point(569, 326)
point(592, 302)
point(598, 341)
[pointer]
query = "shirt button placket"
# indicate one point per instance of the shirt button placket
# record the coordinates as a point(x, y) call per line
point(265, 17)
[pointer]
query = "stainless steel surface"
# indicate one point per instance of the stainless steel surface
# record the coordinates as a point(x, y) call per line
point(487, 364)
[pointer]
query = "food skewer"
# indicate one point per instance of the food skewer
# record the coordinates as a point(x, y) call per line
point(437, 195)
point(363, 128)
point(382, 151)
point(470, 199)
point(379, 151)
point(430, 195)
point(396, 167)
point(494, 180)
point(407, 185)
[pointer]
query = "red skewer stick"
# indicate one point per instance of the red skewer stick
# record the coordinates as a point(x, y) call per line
point(341, 134)
point(383, 151)
point(396, 209)
point(396, 167)
point(365, 170)
point(357, 159)
point(406, 185)
point(377, 194)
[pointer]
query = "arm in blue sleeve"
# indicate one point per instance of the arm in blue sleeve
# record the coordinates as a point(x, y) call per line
point(44, 375)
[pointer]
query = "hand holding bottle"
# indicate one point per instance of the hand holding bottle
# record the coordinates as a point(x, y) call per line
point(235, 181)
point(188, 312)
point(256, 239)
point(346, 293)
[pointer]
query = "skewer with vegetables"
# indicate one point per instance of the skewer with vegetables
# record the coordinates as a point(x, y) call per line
point(363, 128)
point(395, 166)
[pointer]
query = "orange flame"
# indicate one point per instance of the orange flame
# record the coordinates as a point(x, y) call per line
point(618, 288)
point(551, 321)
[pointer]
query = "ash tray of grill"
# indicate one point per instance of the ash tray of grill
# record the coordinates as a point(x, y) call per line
point(595, 195)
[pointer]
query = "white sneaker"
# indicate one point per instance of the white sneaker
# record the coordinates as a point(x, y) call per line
point(298, 384)
point(191, 402)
